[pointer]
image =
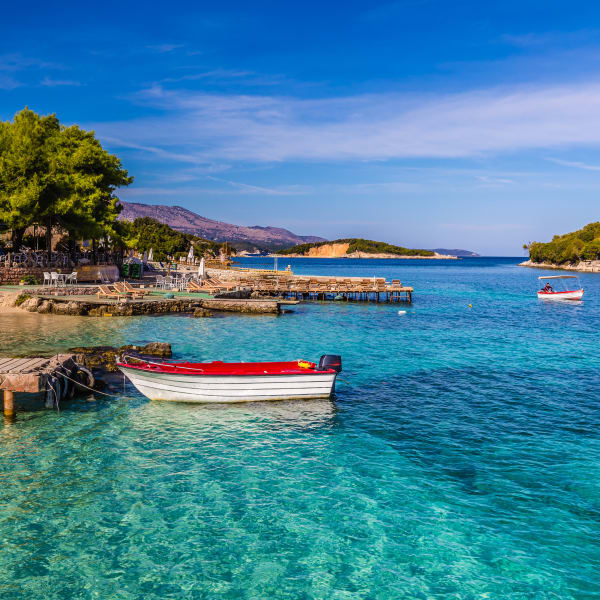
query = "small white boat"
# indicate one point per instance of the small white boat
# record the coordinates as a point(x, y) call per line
point(234, 382)
point(549, 293)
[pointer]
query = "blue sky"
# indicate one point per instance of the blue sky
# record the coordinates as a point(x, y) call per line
point(424, 123)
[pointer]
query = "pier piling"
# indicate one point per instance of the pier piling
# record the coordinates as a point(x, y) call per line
point(9, 404)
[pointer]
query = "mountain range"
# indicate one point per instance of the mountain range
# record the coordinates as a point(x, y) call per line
point(241, 236)
point(186, 221)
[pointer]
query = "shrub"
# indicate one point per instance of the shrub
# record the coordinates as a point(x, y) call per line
point(30, 280)
point(21, 298)
point(583, 244)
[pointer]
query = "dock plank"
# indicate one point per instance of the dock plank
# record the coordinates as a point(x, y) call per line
point(13, 362)
point(30, 374)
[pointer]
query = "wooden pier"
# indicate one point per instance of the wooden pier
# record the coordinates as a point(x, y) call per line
point(330, 288)
point(36, 375)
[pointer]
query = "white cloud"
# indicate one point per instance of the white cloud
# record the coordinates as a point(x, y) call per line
point(575, 164)
point(207, 127)
point(164, 48)
point(49, 82)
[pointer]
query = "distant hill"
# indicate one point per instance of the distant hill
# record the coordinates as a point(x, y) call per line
point(456, 252)
point(355, 248)
point(186, 221)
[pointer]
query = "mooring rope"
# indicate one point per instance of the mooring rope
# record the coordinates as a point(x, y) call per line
point(174, 365)
point(88, 387)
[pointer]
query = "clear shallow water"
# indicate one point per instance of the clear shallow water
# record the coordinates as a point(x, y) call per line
point(460, 461)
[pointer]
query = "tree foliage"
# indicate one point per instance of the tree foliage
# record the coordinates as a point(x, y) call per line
point(360, 245)
point(51, 175)
point(583, 244)
point(145, 233)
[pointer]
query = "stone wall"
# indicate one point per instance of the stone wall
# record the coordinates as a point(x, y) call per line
point(12, 275)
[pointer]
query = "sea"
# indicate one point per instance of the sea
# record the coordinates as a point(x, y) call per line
point(459, 458)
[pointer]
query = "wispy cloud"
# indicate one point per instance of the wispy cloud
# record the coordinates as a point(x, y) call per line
point(164, 48)
point(575, 164)
point(494, 180)
point(262, 128)
point(8, 83)
point(49, 82)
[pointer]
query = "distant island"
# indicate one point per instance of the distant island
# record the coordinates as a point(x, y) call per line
point(575, 251)
point(456, 252)
point(357, 248)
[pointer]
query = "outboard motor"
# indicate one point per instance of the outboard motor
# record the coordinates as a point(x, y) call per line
point(330, 361)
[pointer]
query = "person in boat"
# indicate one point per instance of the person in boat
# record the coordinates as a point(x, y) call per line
point(548, 288)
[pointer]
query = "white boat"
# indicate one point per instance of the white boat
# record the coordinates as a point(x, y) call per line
point(549, 293)
point(234, 382)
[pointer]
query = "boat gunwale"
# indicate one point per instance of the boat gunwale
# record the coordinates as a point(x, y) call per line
point(173, 369)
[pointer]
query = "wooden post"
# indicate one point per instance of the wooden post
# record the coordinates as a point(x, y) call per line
point(9, 403)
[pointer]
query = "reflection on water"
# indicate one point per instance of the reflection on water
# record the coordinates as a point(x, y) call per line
point(302, 414)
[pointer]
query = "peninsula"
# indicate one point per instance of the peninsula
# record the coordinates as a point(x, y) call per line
point(357, 248)
point(575, 251)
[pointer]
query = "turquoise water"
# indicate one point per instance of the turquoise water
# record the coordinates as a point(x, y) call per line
point(460, 458)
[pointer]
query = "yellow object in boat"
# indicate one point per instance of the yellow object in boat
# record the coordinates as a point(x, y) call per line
point(304, 364)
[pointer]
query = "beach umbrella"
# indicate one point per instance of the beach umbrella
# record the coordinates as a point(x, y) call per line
point(191, 254)
point(151, 255)
point(201, 270)
point(145, 258)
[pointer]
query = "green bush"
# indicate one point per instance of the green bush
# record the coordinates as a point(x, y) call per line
point(30, 280)
point(21, 298)
point(583, 244)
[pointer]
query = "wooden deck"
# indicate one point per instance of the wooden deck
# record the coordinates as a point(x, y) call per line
point(363, 289)
point(30, 375)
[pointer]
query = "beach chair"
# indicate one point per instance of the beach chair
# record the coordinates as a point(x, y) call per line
point(72, 278)
point(47, 278)
point(134, 291)
point(193, 286)
point(104, 291)
point(122, 288)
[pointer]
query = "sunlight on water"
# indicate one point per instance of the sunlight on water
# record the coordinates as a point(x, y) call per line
point(460, 458)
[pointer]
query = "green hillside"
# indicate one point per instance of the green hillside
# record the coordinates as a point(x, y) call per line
point(145, 233)
point(360, 245)
point(583, 244)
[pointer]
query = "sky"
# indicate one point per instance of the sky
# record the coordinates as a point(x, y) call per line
point(456, 124)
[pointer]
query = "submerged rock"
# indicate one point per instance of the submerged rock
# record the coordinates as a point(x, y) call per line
point(202, 312)
point(105, 357)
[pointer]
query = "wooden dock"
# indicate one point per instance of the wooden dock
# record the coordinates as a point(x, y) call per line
point(35, 375)
point(375, 289)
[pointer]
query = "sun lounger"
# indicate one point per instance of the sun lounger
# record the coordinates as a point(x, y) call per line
point(104, 291)
point(128, 288)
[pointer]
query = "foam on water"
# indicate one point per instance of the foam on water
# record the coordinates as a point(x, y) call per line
point(461, 459)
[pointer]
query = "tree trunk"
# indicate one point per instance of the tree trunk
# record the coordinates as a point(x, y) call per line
point(72, 247)
point(17, 239)
point(49, 238)
point(94, 254)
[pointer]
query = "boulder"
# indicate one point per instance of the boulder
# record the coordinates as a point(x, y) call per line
point(202, 312)
point(31, 304)
point(45, 307)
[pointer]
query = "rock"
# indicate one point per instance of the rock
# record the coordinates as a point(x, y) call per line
point(105, 357)
point(162, 349)
point(31, 305)
point(202, 312)
point(45, 307)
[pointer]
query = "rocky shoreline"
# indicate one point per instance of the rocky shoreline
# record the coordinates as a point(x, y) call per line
point(584, 266)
